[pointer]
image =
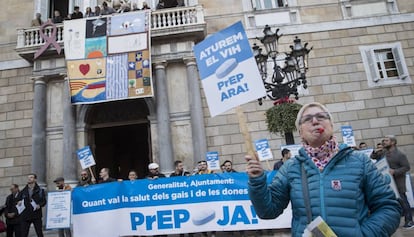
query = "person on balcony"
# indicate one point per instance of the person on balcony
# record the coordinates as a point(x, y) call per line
point(38, 20)
point(107, 10)
point(57, 18)
point(97, 11)
point(76, 13)
point(145, 6)
point(89, 12)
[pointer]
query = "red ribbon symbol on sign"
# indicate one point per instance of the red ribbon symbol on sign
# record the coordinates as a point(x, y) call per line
point(49, 40)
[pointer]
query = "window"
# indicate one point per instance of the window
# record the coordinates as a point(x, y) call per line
point(367, 8)
point(268, 4)
point(384, 64)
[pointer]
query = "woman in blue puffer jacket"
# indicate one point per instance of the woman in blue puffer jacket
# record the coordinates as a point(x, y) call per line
point(344, 187)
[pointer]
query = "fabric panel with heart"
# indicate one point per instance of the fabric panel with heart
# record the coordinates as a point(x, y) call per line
point(87, 68)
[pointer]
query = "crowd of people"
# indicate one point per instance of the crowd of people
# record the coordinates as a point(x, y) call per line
point(326, 180)
point(105, 9)
point(332, 182)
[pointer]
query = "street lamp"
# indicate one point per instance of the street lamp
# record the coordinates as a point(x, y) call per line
point(289, 68)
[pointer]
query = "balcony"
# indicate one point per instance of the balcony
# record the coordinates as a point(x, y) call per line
point(166, 24)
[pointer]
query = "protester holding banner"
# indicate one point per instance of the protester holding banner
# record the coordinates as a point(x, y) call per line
point(203, 168)
point(85, 179)
point(399, 166)
point(61, 186)
point(228, 167)
point(179, 169)
point(132, 175)
point(153, 171)
point(33, 199)
point(327, 180)
point(104, 175)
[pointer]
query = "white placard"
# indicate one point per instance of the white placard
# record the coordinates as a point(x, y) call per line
point(384, 168)
point(263, 149)
point(213, 161)
point(85, 157)
point(58, 210)
point(228, 70)
point(348, 135)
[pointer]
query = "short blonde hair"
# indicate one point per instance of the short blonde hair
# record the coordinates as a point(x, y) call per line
point(309, 105)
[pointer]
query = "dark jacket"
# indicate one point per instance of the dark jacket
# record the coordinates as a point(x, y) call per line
point(278, 164)
point(350, 194)
point(38, 196)
point(11, 202)
point(399, 163)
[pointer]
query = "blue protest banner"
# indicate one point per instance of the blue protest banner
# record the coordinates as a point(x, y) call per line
point(213, 202)
point(228, 69)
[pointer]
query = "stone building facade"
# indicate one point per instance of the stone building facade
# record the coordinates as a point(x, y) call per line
point(40, 130)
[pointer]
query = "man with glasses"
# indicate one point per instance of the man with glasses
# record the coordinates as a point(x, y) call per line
point(85, 179)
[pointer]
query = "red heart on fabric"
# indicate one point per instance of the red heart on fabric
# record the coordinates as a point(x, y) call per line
point(84, 68)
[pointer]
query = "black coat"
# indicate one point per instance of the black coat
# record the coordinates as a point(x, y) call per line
point(38, 196)
point(11, 202)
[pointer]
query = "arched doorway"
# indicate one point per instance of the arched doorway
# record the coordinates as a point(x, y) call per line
point(119, 135)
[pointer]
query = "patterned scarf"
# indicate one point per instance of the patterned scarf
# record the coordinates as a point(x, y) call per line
point(323, 154)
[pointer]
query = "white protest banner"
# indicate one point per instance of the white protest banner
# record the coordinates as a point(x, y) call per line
point(384, 168)
point(348, 135)
point(367, 152)
point(263, 149)
point(175, 205)
point(228, 69)
point(409, 187)
point(213, 161)
point(85, 157)
point(294, 149)
point(58, 210)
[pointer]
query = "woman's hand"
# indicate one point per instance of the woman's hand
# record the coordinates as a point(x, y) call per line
point(254, 168)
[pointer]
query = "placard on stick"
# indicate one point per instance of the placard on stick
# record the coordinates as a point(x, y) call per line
point(229, 74)
point(85, 157)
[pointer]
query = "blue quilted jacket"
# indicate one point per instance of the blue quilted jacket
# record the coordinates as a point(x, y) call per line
point(350, 195)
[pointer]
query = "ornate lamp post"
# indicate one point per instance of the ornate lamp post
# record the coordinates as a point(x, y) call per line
point(289, 68)
point(289, 72)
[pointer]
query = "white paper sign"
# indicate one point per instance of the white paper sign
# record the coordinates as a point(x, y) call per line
point(85, 157)
point(263, 149)
point(348, 135)
point(294, 149)
point(228, 69)
point(58, 210)
point(213, 161)
point(384, 168)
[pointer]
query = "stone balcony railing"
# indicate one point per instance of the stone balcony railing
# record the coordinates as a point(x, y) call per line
point(179, 21)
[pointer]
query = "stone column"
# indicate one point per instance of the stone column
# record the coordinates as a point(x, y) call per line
point(39, 130)
point(70, 160)
point(166, 154)
point(196, 110)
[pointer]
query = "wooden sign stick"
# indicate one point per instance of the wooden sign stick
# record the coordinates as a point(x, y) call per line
point(93, 176)
point(245, 131)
